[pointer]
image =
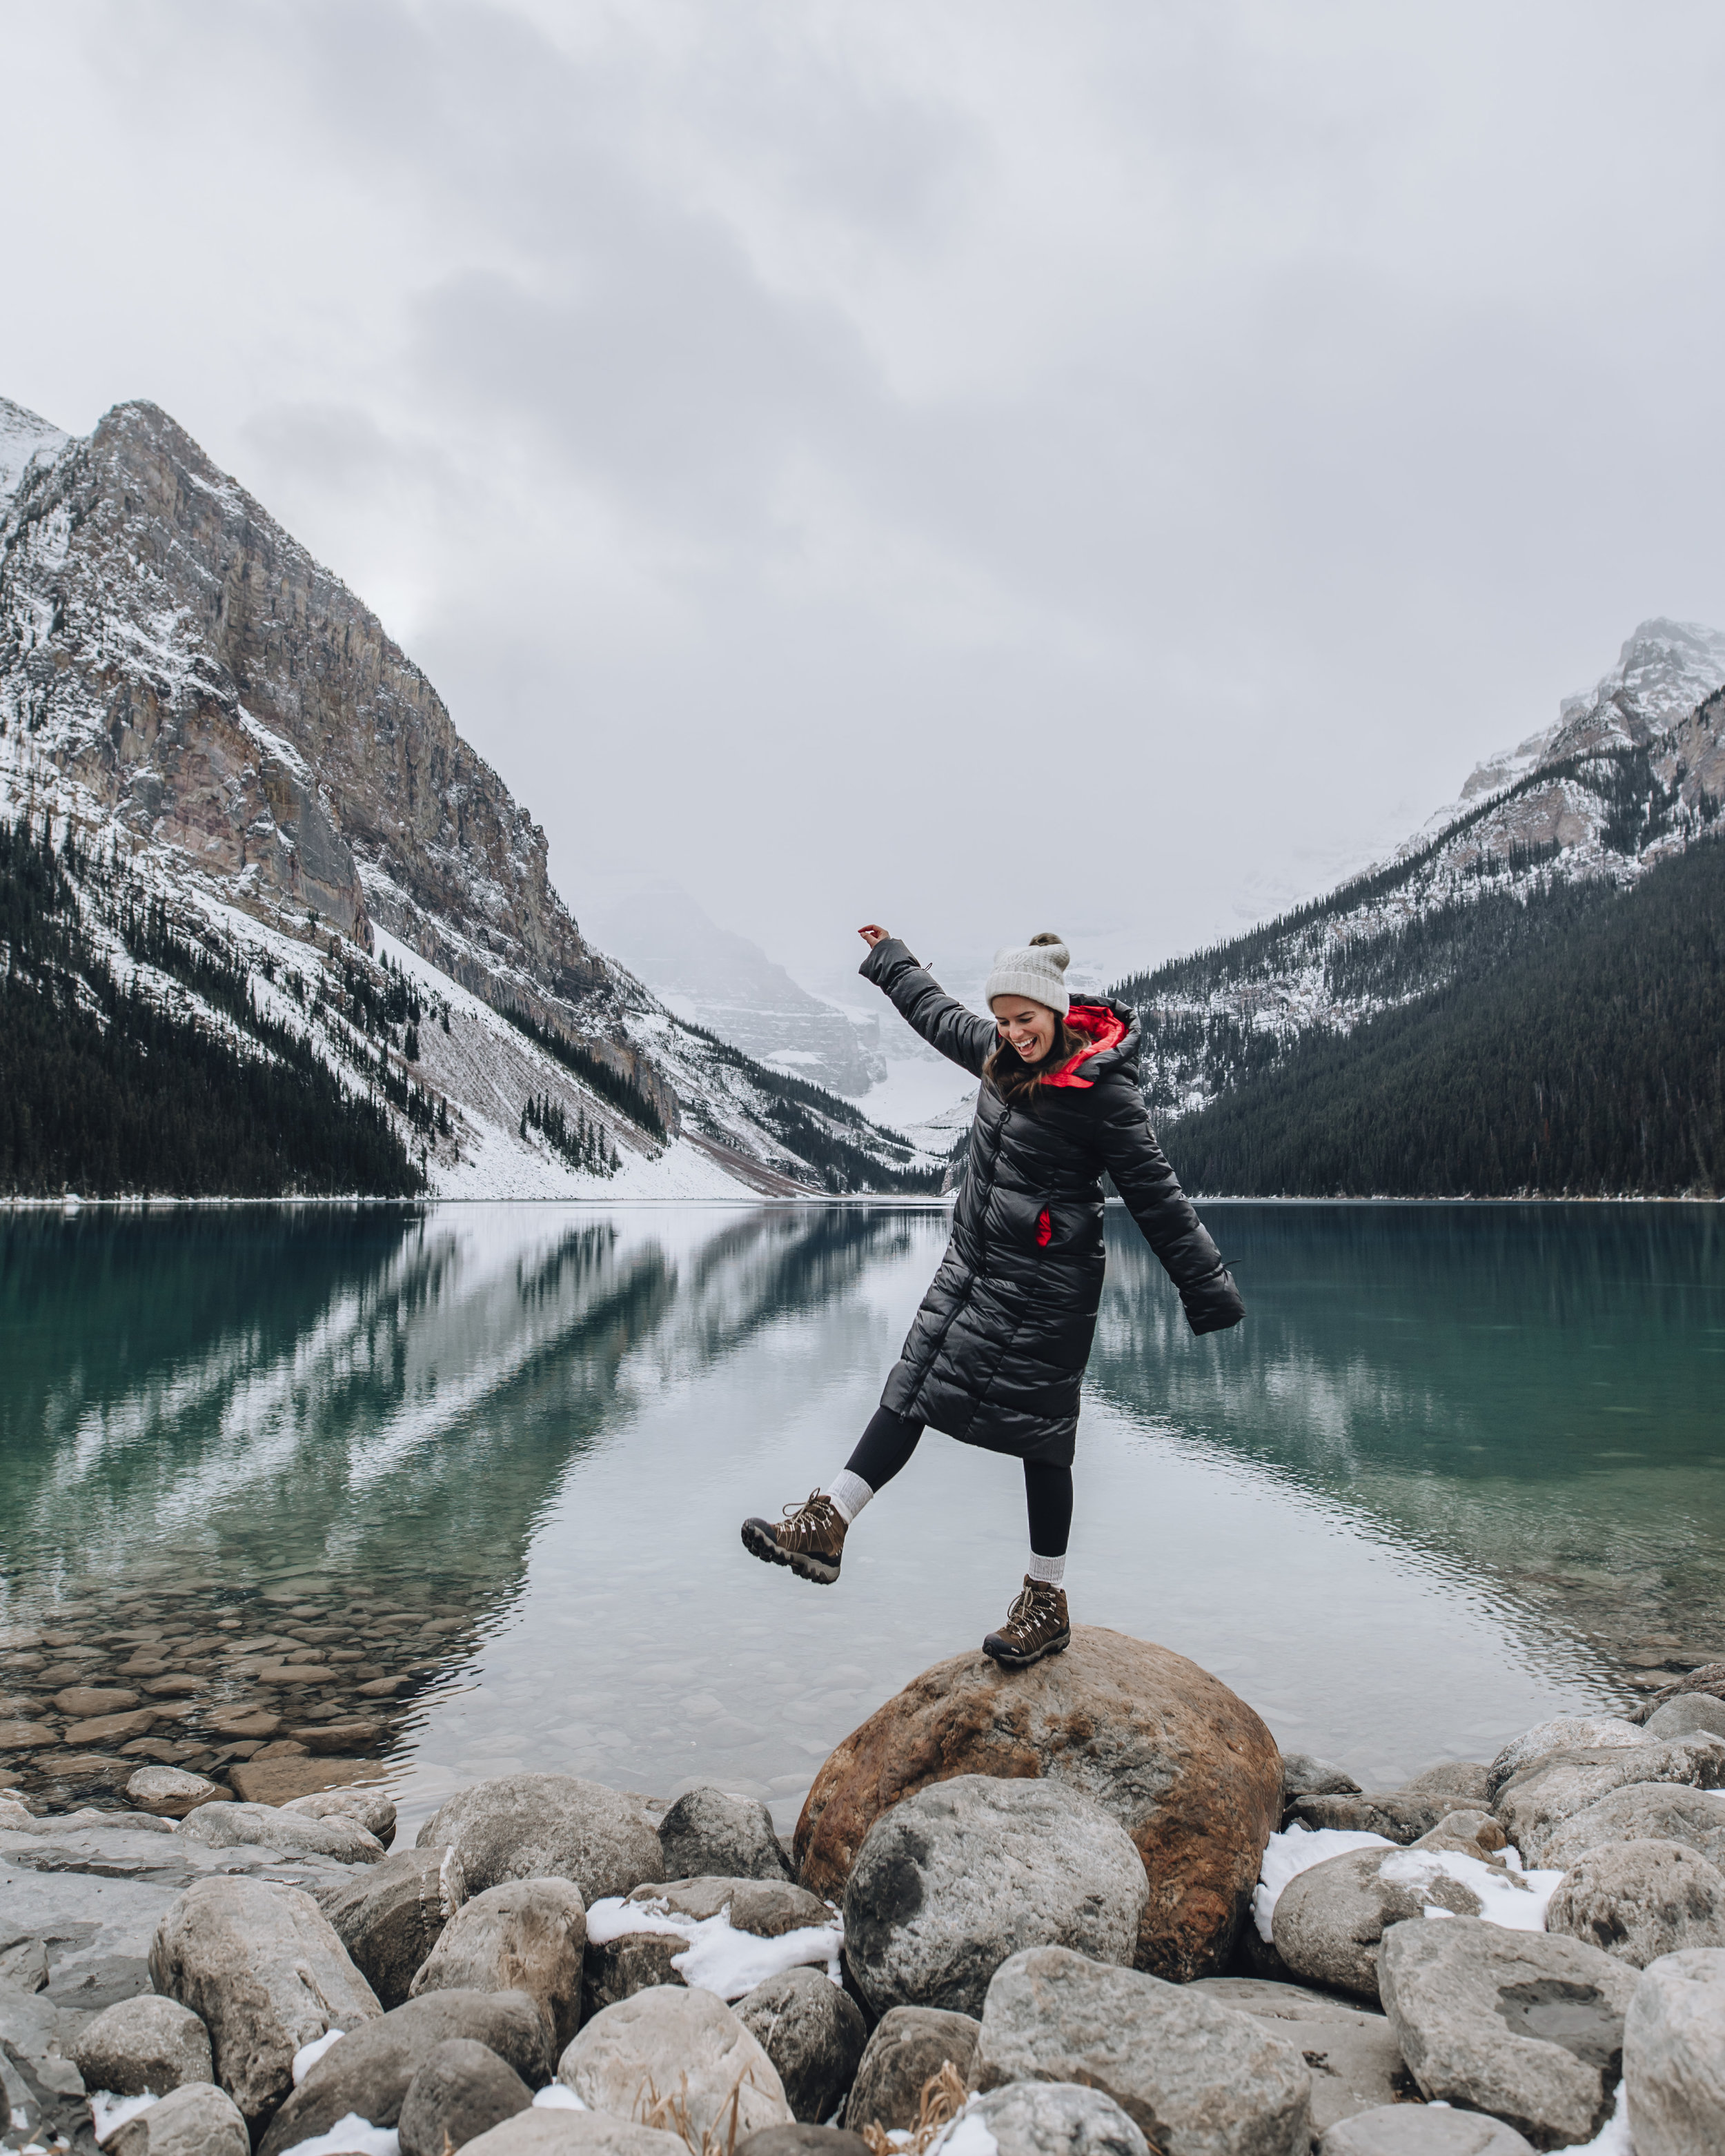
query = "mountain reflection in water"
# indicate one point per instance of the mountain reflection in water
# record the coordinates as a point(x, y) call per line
point(1462, 1465)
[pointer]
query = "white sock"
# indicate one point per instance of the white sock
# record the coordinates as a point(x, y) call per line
point(1051, 1570)
point(849, 1493)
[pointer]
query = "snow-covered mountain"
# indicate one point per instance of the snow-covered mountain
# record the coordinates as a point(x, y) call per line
point(718, 979)
point(227, 728)
point(1630, 773)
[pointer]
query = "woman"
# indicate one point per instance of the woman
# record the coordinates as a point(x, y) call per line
point(997, 1351)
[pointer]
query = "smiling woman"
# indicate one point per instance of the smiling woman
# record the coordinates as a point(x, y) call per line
point(997, 1350)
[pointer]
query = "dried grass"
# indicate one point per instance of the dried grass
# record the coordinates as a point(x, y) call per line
point(670, 2114)
point(943, 2096)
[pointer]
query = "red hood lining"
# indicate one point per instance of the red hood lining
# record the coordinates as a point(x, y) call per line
point(1103, 1029)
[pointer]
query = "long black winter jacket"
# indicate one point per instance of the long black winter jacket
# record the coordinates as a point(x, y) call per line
point(997, 1350)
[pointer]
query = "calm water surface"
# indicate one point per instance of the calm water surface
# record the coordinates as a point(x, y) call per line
point(1462, 1467)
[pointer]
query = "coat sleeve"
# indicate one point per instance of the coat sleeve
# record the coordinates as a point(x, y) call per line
point(943, 1021)
point(1162, 1211)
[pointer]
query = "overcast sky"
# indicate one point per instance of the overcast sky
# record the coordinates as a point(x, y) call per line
point(973, 465)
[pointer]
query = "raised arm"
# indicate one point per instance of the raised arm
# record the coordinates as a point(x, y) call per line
point(1162, 1211)
point(943, 1021)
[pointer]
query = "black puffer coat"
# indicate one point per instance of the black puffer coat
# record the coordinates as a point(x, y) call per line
point(997, 1350)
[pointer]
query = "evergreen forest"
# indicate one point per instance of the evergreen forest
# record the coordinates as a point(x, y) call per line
point(106, 1091)
point(1579, 1050)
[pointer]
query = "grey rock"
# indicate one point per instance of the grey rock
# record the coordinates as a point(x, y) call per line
point(636, 1961)
point(1642, 1811)
point(41, 2084)
point(1407, 2129)
point(23, 1965)
point(195, 2119)
point(95, 1895)
point(461, 2089)
point(1466, 1781)
point(574, 2133)
point(267, 1826)
point(803, 2141)
point(1276, 1999)
point(1535, 1803)
point(708, 1833)
point(1476, 1828)
point(143, 2043)
point(391, 1915)
point(1395, 1815)
point(953, 1880)
point(1302, 1775)
point(909, 2046)
point(371, 2070)
point(1197, 2077)
point(1695, 1714)
point(548, 1826)
point(1330, 1922)
point(170, 1792)
point(768, 1907)
point(673, 2043)
point(1562, 1732)
point(1053, 2118)
point(1351, 2054)
point(368, 1808)
point(1674, 2054)
point(527, 1935)
point(1526, 2027)
point(814, 2034)
point(96, 1931)
point(261, 1968)
point(91, 1820)
point(1639, 1900)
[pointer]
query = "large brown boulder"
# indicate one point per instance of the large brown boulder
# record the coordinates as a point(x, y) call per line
point(1188, 1769)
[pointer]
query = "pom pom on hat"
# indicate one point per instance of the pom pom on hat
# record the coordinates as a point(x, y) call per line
point(1035, 969)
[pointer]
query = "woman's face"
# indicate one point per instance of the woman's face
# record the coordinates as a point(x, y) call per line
point(1030, 1027)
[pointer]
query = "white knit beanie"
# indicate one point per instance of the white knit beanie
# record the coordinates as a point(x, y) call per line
point(1036, 969)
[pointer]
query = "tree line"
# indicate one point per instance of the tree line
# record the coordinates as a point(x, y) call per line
point(1588, 1061)
point(105, 1091)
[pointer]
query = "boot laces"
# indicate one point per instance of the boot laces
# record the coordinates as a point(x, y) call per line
point(809, 1521)
point(1033, 1601)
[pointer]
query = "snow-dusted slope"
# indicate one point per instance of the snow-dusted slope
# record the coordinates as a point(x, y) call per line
point(1630, 773)
point(182, 685)
point(23, 438)
point(721, 980)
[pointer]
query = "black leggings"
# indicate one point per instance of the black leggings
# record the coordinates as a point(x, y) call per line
point(890, 1440)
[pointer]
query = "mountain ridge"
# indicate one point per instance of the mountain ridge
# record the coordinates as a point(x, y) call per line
point(1628, 777)
point(182, 684)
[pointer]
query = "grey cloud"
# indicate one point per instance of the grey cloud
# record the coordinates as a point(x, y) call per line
point(906, 462)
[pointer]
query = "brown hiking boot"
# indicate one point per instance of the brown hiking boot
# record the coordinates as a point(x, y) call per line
point(810, 1539)
point(1036, 1625)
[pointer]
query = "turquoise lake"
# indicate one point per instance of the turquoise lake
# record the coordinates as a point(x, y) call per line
point(476, 1472)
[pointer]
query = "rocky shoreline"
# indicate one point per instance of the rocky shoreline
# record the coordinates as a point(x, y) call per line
point(1087, 1909)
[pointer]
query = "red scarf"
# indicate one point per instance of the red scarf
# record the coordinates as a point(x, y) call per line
point(1103, 1030)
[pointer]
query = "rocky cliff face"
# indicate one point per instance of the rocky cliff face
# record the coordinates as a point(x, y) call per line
point(180, 678)
point(170, 647)
point(1665, 672)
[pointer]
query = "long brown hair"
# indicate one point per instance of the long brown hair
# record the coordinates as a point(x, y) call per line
point(1007, 1071)
point(1017, 1081)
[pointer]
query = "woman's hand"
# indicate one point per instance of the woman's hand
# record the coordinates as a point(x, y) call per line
point(874, 934)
